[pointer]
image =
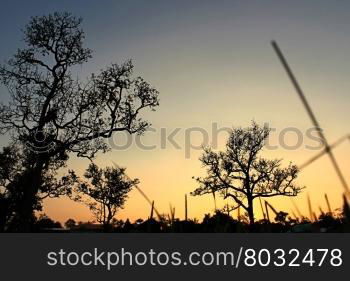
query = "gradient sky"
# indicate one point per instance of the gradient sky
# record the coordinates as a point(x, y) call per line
point(212, 62)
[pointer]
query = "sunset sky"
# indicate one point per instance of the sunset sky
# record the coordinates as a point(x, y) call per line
point(212, 62)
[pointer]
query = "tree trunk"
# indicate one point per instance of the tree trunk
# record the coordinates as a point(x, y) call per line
point(107, 227)
point(3, 213)
point(31, 182)
point(250, 211)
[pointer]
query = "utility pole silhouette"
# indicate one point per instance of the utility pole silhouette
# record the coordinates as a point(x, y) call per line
point(185, 207)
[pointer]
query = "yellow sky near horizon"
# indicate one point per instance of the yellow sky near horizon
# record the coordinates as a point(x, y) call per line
point(166, 176)
point(229, 98)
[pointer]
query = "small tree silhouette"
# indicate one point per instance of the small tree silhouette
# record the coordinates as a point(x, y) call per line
point(44, 223)
point(239, 173)
point(105, 192)
point(70, 224)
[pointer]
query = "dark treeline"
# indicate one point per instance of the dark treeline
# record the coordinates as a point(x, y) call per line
point(216, 223)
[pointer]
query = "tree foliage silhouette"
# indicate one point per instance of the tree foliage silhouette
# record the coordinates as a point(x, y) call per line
point(70, 224)
point(105, 192)
point(53, 114)
point(44, 223)
point(240, 174)
point(14, 167)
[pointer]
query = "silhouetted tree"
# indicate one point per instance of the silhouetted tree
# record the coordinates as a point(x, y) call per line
point(239, 173)
point(70, 223)
point(52, 113)
point(105, 192)
point(14, 176)
point(45, 223)
point(9, 169)
point(219, 222)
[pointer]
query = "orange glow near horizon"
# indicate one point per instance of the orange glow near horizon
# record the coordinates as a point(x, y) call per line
point(167, 178)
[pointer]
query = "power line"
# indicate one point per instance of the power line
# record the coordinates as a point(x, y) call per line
point(310, 113)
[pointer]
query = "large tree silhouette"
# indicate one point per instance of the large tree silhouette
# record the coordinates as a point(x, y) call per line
point(240, 174)
point(51, 113)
